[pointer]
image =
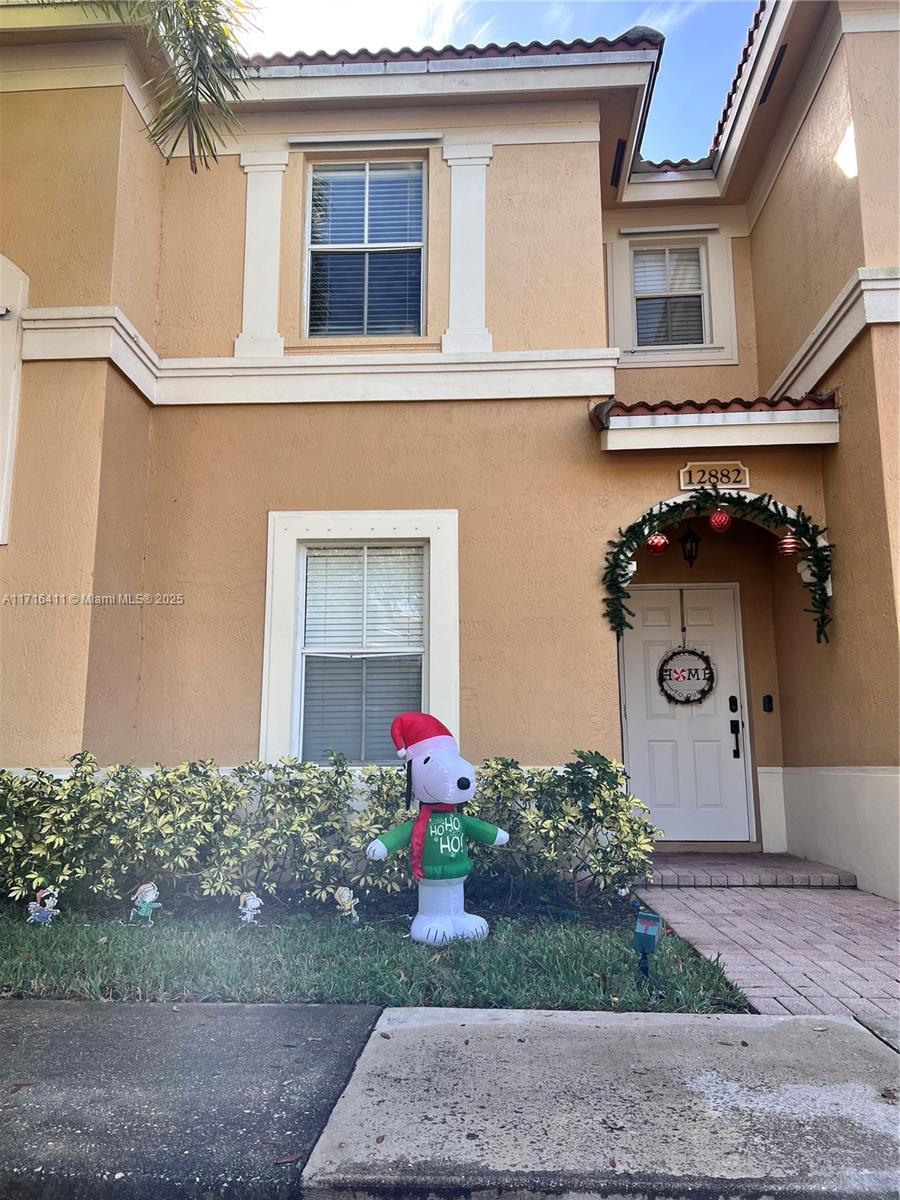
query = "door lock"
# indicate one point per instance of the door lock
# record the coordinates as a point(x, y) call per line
point(732, 703)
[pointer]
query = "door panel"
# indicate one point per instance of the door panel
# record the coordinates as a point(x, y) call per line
point(681, 756)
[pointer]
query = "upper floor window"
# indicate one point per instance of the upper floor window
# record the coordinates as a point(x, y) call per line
point(668, 296)
point(363, 647)
point(365, 249)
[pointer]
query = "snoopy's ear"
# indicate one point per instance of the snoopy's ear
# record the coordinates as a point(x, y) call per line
point(409, 783)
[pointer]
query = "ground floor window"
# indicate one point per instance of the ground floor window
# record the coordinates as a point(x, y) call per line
point(362, 622)
point(363, 647)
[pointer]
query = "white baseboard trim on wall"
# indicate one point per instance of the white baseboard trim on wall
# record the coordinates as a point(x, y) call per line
point(847, 817)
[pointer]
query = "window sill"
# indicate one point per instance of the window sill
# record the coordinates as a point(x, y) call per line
point(388, 344)
point(677, 356)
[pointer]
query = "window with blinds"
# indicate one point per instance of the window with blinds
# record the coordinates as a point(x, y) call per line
point(363, 648)
point(668, 296)
point(365, 253)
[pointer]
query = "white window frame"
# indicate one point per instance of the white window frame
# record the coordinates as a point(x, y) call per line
point(363, 247)
point(289, 533)
point(669, 295)
point(719, 315)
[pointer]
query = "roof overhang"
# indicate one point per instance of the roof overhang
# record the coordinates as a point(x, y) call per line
point(811, 420)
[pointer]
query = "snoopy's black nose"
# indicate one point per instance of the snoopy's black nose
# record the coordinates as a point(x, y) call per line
point(463, 784)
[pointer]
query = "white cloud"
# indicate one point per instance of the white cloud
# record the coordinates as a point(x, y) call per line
point(359, 24)
point(668, 16)
point(558, 18)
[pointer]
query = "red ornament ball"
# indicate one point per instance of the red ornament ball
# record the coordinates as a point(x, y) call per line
point(790, 544)
point(657, 543)
point(719, 521)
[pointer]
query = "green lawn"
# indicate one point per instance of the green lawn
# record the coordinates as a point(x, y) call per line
point(523, 964)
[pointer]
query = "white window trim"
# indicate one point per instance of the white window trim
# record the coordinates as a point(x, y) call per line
point(719, 317)
point(364, 247)
point(14, 298)
point(437, 529)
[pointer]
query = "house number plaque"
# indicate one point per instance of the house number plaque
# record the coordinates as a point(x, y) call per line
point(713, 474)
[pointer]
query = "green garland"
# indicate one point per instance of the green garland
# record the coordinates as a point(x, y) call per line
point(764, 510)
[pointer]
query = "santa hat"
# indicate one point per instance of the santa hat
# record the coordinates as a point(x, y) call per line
point(416, 734)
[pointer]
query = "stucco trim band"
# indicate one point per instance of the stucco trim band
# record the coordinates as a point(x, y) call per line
point(105, 332)
point(871, 296)
point(677, 431)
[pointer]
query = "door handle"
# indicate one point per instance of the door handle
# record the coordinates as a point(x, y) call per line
point(736, 730)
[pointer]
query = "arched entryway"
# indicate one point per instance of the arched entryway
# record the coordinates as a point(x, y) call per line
point(699, 764)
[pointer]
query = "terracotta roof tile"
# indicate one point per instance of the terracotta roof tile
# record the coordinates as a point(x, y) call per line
point(736, 82)
point(637, 38)
point(601, 413)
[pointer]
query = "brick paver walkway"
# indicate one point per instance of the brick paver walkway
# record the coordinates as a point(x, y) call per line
point(794, 950)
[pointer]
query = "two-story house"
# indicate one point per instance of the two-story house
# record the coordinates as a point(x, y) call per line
point(346, 425)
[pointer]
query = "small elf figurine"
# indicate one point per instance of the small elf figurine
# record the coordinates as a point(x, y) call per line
point(347, 902)
point(437, 838)
point(145, 900)
point(42, 909)
point(249, 905)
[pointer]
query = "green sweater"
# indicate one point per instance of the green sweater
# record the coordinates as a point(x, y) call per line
point(445, 854)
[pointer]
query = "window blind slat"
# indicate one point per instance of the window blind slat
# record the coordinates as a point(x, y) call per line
point(337, 294)
point(684, 270)
point(339, 692)
point(395, 608)
point(395, 202)
point(334, 597)
point(395, 292)
point(393, 685)
point(650, 271)
point(338, 200)
point(332, 708)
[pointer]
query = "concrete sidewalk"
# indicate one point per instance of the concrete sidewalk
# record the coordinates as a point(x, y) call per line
point(195, 1102)
point(457, 1103)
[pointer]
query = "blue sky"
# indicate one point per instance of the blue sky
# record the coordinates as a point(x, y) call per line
point(704, 39)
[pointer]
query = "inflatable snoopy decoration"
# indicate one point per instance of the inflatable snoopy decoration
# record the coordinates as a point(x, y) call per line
point(441, 780)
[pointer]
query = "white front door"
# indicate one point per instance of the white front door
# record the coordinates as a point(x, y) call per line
point(687, 762)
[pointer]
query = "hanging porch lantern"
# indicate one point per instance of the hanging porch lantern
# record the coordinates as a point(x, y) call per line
point(690, 544)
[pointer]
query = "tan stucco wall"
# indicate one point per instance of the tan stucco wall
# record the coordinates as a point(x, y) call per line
point(840, 701)
point(537, 498)
point(135, 280)
point(544, 259)
point(59, 154)
point(115, 649)
point(703, 383)
point(873, 64)
point(44, 648)
point(808, 239)
point(202, 259)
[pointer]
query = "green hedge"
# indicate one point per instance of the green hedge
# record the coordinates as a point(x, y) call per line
point(298, 827)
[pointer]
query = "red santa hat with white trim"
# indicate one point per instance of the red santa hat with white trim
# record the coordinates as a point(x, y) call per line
point(416, 734)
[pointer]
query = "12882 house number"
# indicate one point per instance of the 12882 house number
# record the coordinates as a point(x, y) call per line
point(713, 474)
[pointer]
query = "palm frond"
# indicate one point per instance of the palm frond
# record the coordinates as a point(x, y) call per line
point(201, 75)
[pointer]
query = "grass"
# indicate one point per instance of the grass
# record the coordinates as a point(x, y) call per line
point(547, 964)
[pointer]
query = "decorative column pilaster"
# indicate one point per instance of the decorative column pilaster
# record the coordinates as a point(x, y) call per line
point(467, 332)
point(259, 336)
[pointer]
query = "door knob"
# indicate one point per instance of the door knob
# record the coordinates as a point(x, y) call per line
point(736, 731)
